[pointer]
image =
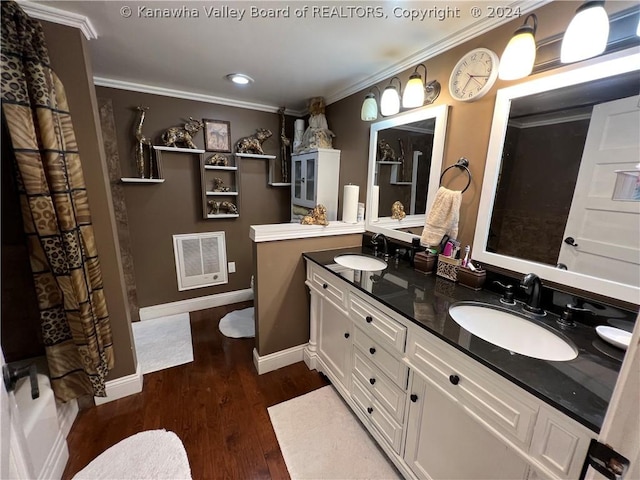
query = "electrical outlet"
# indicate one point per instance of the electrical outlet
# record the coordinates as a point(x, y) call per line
point(231, 266)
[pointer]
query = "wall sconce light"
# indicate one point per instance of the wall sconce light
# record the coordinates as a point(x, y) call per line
point(369, 111)
point(520, 53)
point(414, 92)
point(587, 33)
point(390, 101)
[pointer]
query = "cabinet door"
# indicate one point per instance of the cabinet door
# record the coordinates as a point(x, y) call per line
point(310, 176)
point(298, 176)
point(334, 341)
point(443, 441)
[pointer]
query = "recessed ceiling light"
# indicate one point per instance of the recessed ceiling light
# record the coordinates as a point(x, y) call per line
point(240, 78)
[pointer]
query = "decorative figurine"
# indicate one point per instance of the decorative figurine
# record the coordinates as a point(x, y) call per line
point(218, 185)
point(317, 216)
point(183, 135)
point(143, 143)
point(317, 134)
point(284, 144)
point(253, 143)
point(215, 207)
point(387, 154)
point(218, 160)
point(397, 211)
point(401, 158)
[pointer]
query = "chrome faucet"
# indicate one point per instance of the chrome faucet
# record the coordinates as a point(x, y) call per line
point(532, 285)
point(375, 240)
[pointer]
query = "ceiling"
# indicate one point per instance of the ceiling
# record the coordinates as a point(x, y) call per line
point(337, 49)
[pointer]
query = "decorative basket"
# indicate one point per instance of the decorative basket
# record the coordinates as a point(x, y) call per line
point(448, 268)
point(471, 279)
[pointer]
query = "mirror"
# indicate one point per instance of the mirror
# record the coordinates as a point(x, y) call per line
point(405, 159)
point(561, 190)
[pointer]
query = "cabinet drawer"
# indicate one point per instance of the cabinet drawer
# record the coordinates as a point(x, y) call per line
point(491, 399)
point(385, 361)
point(331, 287)
point(377, 324)
point(387, 393)
point(390, 430)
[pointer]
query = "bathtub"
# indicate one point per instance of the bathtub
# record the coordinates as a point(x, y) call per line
point(44, 451)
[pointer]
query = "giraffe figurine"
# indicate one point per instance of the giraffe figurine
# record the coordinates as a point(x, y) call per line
point(143, 143)
point(284, 144)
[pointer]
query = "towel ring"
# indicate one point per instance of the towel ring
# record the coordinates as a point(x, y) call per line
point(462, 164)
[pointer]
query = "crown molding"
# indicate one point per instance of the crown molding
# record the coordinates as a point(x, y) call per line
point(62, 17)
point(198, 97)
point(474, 30)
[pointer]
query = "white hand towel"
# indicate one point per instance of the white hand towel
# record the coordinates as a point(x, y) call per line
point(443, 217)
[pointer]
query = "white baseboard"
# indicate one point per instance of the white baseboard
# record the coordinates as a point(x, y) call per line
point(193, 304)
point(57, 459)
point(274, 361)
point(122, 387)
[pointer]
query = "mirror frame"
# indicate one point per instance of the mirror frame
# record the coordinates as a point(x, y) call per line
point(386, 225)
point(615, 64)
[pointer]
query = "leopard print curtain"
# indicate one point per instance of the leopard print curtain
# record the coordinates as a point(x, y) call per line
point(64, 261)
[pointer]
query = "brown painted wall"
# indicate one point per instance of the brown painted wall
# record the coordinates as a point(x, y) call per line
point(282, 298)
point(156, 212)
point(70, 59)
point(469, 124)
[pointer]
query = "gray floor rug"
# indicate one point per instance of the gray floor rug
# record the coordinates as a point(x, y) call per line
point(238, 324)
point(163, 342)
point(329, 443)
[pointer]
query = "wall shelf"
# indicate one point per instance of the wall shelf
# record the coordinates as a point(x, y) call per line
point(144, 181)
point(220, 194)
point(215, 167)
point(279, 184)
point(255, 156)
point(229, 175)
point(224, 215)
point(177, 149)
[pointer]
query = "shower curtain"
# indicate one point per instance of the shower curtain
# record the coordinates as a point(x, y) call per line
point(64, 261)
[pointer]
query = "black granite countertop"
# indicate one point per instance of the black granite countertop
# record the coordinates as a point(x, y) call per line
point(580, 388)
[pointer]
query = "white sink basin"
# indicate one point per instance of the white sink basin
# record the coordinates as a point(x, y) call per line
point(512, 332)
point(360, 262)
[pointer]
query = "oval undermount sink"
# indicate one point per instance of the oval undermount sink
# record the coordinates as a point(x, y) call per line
point(512, 332)
point(360, 262)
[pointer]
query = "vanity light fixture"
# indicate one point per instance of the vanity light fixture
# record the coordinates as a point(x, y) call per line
point(369, 111)
point(520, 53)
point(390, 101)
point(587, 33)
point(239, 78)
point(414, 92)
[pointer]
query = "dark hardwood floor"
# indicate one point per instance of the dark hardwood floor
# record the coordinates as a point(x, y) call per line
point(217, 405)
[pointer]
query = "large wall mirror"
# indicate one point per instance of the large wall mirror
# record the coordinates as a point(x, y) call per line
point(405, 160)
point(561, 191)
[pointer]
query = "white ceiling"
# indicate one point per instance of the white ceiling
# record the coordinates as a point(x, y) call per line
point(291, 59)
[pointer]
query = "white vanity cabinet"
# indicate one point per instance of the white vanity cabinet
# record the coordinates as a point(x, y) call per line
point(315, 180)
point(435, 411)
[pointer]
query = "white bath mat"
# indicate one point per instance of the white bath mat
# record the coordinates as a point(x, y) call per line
point(238, 324)
point(153, 454)
point(321, 438)
point(163, 342)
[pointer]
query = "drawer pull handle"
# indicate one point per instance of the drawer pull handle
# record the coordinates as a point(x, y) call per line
point(454, 379)
point(414, 397)
point(325, 286)
point(369, 319)
point(372, 350)
point(370, 409)
point(372, 381)
point(346, 335)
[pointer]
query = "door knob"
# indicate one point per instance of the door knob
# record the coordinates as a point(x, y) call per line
point(570, 241)
point(372, 350)
point(454, 379)
point(369, 409)
point(372, 381)
point(369, 319)
point(346, 335)
point(414, 397)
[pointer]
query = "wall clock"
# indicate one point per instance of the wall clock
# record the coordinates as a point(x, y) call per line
point(474, 75)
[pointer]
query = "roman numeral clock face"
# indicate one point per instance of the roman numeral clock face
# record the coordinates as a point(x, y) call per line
point(474, 75)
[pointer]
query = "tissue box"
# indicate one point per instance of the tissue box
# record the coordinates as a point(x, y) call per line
point(448, 268)
point(424, 262)
point(471, 279)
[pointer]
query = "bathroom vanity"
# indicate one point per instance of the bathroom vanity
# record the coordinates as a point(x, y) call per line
point(441, 402)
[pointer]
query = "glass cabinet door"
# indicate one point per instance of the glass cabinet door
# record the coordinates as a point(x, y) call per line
point(310, 179)
point(297, 179)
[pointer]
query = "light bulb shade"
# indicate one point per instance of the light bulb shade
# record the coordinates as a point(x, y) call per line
point(390, 101)
point(369, 110)
point(519, 56)
point(587, 33)
point(413, 95)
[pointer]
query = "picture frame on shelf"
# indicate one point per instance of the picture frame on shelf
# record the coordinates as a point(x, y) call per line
point(217, 135)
